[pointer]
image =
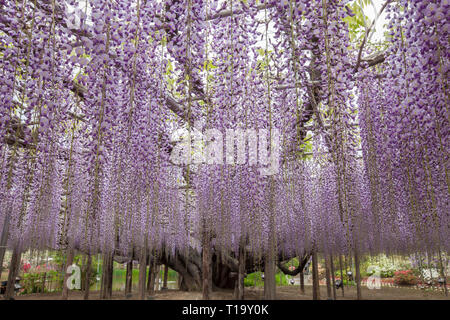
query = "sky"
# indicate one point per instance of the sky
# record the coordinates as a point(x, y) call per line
point(369, 11)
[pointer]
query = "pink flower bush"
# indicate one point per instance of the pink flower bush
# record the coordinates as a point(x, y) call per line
point(405, 277)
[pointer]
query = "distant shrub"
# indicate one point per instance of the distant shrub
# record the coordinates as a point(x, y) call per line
point(248, 282)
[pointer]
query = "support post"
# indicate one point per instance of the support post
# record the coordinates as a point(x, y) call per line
point(342, 275)
point(206, 257)
point(327, 276)
point(87, 277)
point(142, 273)
point(358, 276)
point(129, 278)
point(315, 276)
point(241, 274)
point(333, 279)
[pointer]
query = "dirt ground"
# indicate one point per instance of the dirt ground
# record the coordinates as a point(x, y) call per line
point(283, 293)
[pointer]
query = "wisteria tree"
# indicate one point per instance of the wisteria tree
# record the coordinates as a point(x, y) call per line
point(92, 92)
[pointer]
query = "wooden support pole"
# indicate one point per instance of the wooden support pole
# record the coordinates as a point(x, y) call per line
point(328, 276)
point(111, 276)
point(142, 273)
point(206, 277)
point(87, 277)
point(333, 279)
point(149, 276)
point(358, 276)
point(342, 275)
point(239, 294)
point(315, 276)
point(129, 278)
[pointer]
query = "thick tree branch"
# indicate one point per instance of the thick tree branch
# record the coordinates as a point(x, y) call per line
point(358, 61)
point(302, 263)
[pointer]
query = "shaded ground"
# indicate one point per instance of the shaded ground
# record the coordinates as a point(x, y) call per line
point(283, 293)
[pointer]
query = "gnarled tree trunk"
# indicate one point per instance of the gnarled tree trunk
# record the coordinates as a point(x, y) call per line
point(13, 271)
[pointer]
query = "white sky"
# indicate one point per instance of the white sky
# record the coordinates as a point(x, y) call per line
point(371, 13)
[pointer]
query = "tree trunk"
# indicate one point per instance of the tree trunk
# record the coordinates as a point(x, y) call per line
point(129, 278)
point(188, 265)
point(315, 276)
point(87, 283)
point(69, 261)
point(358, 276)
point(13, 272)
